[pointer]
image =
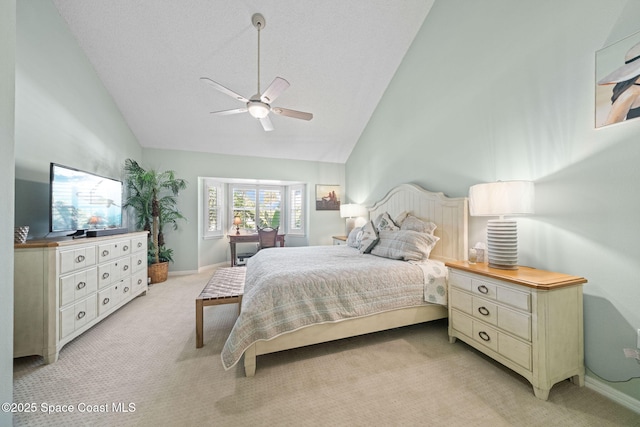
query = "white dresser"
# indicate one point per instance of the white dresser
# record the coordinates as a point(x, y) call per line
point(64, 287)
point(527, 319)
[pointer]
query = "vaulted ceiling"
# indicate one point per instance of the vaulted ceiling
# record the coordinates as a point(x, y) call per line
point(339, 57)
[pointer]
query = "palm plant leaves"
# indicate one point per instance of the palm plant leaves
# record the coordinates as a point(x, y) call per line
point(154, 197)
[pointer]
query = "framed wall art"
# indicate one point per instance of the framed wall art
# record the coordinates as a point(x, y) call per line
point(327, 197)
point(618, 82)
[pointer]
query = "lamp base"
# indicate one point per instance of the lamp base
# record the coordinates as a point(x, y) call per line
point(502, 244)
point(350, 225)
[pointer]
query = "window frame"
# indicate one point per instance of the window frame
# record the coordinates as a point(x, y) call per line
point(226, 187)
point(208, 183)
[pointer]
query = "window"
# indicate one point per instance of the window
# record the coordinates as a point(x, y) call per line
point(296, 209)
point(213, 208)
point(256, 204)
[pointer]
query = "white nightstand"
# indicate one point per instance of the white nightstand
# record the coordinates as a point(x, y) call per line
point(527, 319)
point(339, 240)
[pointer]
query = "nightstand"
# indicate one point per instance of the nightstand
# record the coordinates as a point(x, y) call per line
point(527, 319)
point(339, 240)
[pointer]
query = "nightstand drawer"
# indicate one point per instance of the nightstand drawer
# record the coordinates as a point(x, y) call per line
point(515, 350)
point(514, 322)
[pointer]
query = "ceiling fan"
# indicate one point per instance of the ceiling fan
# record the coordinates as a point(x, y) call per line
point(259, 105)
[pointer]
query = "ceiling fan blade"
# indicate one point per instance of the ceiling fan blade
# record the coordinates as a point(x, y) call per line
point(292, 113)
point(275, 89)
point(219, 87)
point(228, 112)
point(266, 123)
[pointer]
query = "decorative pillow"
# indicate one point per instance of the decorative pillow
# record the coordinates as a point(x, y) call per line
point(384, 222)
point(400, 217)
point(355, 237)
point(416, 224)
point(369, 238)
point(407, 245)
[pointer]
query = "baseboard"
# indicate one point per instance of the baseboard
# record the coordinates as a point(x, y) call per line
point(613, 394)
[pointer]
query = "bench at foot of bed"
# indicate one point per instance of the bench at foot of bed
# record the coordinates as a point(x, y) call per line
point(226, 286)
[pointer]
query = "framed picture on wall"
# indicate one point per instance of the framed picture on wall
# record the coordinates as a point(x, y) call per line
point(327, 197)
point(618, 82)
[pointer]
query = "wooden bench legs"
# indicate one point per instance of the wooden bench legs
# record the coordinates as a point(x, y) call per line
point(201, 303)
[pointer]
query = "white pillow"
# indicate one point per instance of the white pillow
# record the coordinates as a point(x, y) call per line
point(384, 222)
point(355, 237)
point(407, 245)
point(416, 224)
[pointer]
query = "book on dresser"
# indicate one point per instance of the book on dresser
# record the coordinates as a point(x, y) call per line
point(63, 287)
point(529, 320)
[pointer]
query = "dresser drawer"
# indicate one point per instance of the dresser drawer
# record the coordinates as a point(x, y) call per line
point(76, 259)
point(139, 244)
point(113, 250)
point(77, 315)
point(139, 261)
point(77, 286)
point(514, 322)
point(113, 271)
point(139, 280)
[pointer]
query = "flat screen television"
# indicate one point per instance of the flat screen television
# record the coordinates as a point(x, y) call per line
point(82, 200)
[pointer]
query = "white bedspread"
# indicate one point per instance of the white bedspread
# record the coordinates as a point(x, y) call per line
point(290, 288)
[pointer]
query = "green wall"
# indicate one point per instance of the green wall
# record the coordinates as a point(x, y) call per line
point(192, 252)
point(501, 90)
point(7, 98)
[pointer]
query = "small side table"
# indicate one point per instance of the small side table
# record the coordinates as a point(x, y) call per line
point(339, 240)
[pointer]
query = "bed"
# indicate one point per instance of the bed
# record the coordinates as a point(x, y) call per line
point(302, 296)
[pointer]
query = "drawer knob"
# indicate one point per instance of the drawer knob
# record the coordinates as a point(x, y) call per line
point(125, 248)
point(483, 289)
point(483, 310)
point(80, 285)
point(80, 258)
point(139, 244)
point(105, 301)
point(81, 315)
point(139, 281)
point(105, 252)
point(126, 267)
point(126, 289)
point(484, 336)
point(139, 261)
point(105, 275)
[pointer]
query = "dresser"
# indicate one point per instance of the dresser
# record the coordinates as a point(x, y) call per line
point(63, 287)
point(529, 320)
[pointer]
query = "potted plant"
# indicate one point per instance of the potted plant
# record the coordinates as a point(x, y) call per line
point(154, 197)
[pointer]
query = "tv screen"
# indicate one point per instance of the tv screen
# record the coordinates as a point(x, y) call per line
point(82, 200)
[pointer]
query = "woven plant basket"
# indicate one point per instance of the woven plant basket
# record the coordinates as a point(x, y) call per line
point(158, 272)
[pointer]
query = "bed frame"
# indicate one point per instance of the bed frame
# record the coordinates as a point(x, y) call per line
point(451, 217)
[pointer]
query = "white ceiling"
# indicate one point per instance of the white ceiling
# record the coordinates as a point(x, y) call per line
point(339, 56)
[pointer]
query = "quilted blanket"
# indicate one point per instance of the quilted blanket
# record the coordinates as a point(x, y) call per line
point(289, 288)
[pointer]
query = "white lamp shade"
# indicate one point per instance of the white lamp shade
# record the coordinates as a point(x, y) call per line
point(352, 210)
point(501, 198)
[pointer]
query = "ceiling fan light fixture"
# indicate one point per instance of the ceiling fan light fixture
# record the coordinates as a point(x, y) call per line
point(258, 109)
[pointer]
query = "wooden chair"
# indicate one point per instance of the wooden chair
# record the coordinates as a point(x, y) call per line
point(267, 237)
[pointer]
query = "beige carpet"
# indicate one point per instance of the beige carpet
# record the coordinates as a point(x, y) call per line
point(145, 355)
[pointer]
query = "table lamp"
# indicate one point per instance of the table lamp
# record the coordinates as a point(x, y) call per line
point(237, 221)
point(351, 211)
point(502, 198)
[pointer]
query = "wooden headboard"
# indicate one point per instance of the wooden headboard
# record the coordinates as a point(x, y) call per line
point(449, 214)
